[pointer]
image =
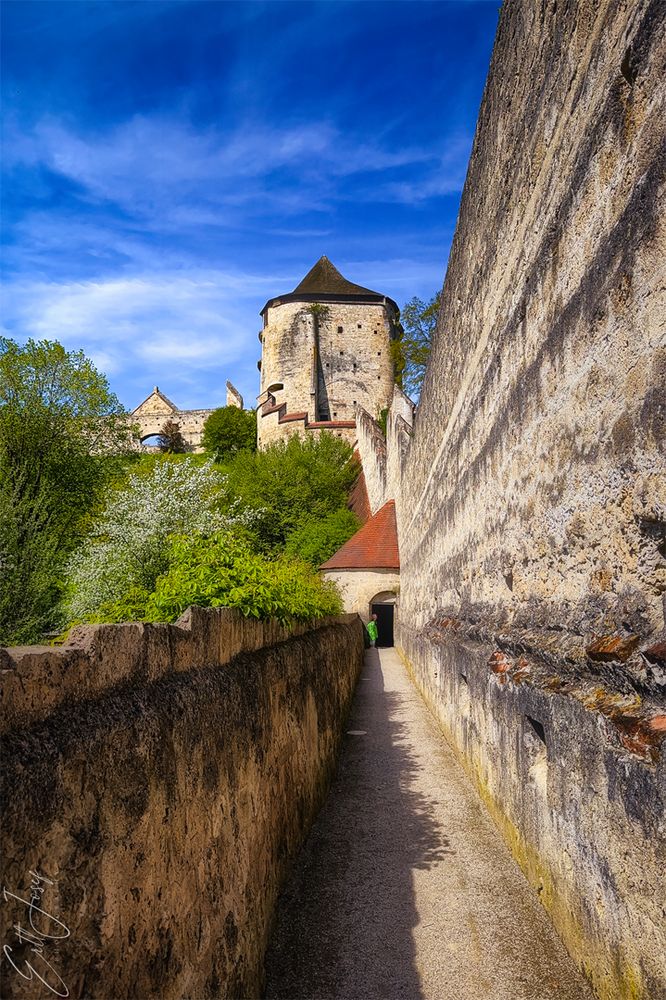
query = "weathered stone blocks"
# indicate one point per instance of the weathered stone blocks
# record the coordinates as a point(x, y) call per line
point(162, 787)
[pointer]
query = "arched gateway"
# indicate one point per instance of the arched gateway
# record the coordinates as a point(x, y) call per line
point(367, 570)
point(151, 415)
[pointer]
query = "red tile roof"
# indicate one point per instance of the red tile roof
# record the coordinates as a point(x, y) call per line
point(374, 546)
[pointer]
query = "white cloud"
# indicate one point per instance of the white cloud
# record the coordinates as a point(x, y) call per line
point(154, 198)
point(188, 331)
point(165, 170)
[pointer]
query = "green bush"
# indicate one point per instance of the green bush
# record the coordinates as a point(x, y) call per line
point(229, 430)
point(316, 541)
point(222, 571)
point(127, 547)
point(290, 483)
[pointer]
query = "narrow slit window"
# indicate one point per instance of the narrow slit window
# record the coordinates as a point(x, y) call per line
point(537, 727)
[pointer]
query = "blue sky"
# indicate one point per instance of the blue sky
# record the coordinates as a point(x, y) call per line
point(170, 166)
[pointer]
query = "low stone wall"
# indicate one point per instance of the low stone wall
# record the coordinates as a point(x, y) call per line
point(157, 781)
point(575, 779)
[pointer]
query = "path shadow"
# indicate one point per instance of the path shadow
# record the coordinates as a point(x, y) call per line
point(345, 920)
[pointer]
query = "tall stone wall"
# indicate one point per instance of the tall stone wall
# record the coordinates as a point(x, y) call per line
point(371, 446)
point(532, 504)
point(399, 423)
point(534, 484)
point(382, 453)
point(575, 778)
point(157, 781)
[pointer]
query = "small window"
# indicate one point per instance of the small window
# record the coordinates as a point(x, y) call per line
point(341, 353)
point(339, 329)
point(327, 365)
point(378, 378)
point(379, 354)
point(358, 325)
point(537, 727)
point(354, 401)
point(335, 414)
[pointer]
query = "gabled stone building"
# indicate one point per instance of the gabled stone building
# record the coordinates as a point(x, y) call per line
point(150, 416)
point(326, 348)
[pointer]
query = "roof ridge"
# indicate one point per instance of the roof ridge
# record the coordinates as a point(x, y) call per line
point(324, 277)
point(156, 392)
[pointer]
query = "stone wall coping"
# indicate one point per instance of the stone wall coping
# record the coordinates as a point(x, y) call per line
point(36, 680)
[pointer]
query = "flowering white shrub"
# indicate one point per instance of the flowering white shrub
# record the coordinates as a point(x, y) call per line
point(127, 546)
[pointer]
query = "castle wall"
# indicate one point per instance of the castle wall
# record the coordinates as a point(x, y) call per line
point(535, 476)
point(150, 416)
point(582, 815)
point(190, 422)
point(383, 455)
point(162, 778)
point(399, 423)
point(532, 501)
point(352, 365)
point(371, 446)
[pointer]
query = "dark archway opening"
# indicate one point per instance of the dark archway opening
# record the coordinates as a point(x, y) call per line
point(384, 614)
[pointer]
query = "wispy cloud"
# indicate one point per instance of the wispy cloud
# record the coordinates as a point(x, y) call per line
point(147, 323)
point(145, 164)
point(169, 167)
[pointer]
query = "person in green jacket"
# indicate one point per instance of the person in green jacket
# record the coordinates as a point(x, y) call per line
point(372, 630)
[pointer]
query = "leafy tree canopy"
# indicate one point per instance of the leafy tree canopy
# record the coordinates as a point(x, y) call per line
point(419, 320)
point(57, 413)
point(229, 430)
point(221, 570)
point(291, 482)
point(171, 441)
point(127, 546)
point(316, 541)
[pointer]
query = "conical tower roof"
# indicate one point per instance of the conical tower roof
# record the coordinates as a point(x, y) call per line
point(324, 283)
point(325, 279)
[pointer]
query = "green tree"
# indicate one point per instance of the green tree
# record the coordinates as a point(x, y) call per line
point(290, 482)
point(316, 541)
point(57, 416)
point(419, 320)
point(127, 547)
point(229, 430)
point(221, 570)
point(171, 441)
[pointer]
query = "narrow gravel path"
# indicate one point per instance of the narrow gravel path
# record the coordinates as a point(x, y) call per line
point(405, 888)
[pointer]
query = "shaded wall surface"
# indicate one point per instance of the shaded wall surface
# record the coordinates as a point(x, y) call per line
point(532, 504)
point(157, 781)
point(534, 483)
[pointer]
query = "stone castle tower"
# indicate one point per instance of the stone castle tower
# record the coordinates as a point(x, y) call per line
point(326, 348)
